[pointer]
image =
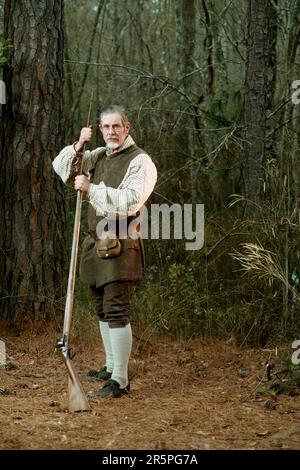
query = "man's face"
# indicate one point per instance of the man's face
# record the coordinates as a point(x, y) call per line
point(114, 130)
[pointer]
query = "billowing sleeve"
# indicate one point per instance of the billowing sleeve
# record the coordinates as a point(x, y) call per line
point(68, 161)
point(134, 190)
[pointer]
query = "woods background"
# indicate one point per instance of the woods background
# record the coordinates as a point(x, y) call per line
point(208, 86)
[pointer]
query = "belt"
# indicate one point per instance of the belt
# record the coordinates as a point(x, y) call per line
point(121, 229)
point(125, 234)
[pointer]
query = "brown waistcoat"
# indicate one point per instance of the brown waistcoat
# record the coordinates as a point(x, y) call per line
point(129, 264)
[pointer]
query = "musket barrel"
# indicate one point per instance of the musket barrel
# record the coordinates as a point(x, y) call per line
point(77, 397)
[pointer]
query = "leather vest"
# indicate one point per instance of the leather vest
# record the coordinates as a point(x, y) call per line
point(129, 265)
point(111, 170)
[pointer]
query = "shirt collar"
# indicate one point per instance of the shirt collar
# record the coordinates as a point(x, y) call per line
point(128, 142)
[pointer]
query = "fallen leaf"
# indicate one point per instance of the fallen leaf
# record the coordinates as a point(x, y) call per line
point(263, 433)
point(201, 433)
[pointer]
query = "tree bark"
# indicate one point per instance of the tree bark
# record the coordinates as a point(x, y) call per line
point(76, 104)
point(256, 98)
point(188, 25)
point(33, 225)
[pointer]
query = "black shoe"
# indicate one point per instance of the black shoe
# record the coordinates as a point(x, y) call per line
point(102, 374)
point(112, 389)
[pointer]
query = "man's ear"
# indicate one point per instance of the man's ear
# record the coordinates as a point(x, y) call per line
point(128, 126)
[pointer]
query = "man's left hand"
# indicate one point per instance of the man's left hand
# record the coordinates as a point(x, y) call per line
point(82, 183)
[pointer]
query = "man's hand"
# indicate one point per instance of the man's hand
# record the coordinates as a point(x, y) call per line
point(85, 136)
point(82, 183)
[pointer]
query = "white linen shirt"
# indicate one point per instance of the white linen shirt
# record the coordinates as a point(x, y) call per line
point(134, 190)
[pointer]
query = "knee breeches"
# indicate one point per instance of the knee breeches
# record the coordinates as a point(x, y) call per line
point(112, 302)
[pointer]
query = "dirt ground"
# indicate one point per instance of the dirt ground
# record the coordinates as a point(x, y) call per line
point(184, 395)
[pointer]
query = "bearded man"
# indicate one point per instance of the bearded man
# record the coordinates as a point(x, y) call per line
point(117, 181)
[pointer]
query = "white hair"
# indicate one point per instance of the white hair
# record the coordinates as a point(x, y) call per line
point(115, 108)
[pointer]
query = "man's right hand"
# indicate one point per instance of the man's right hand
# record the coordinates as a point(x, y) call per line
point(85, 136)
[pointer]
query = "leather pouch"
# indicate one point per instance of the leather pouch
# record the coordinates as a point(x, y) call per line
point(108, 246)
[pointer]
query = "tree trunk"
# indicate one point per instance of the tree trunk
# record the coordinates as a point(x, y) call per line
point(76, 104)
point(271, 143)
point(188, 25)
point(256, 94)
point(33, 225)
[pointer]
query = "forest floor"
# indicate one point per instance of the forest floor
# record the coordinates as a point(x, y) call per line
point(184, 395)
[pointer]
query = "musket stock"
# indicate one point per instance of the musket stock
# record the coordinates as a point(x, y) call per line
point(77, 398)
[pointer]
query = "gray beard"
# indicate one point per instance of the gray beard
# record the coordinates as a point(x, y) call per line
point(112, 146)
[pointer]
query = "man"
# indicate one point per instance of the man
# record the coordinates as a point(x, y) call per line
point(120, 179)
